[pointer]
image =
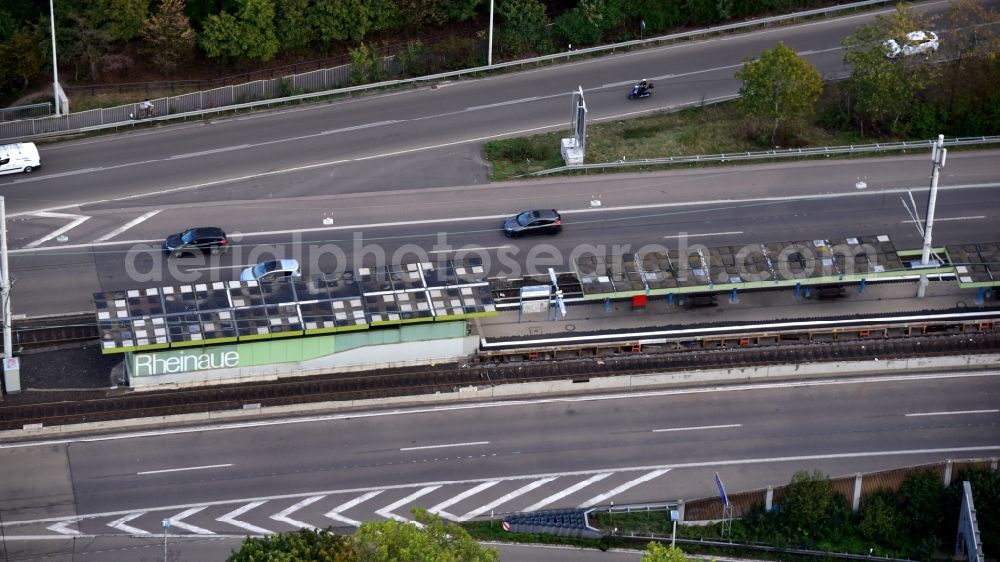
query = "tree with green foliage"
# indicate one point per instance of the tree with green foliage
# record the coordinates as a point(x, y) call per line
point(122, 20)
point(301, 545)
point(341, 20)
point(23, 59)
point(973, 39)
point(583, 25)
point(394, 541)
point(249, 35)
point(881, 520)
point(811, 509)
point(293, 24)
point(779, 87)
point(522, 26)
point(659, 552)
point(168, 39)
point(885, 90)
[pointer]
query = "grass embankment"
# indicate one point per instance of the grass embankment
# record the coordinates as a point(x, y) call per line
point(711, 129)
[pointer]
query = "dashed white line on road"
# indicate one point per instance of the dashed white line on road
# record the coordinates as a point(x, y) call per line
point(695, 428)
point(128, 225)
point(955, 413)
point(205, 467)
point(696, 235)
point(444, 446)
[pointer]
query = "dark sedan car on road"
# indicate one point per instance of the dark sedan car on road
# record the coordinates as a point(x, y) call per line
point(541, 221)
point(201, 239)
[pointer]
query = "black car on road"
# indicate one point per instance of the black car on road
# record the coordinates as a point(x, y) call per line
point(540, 221)
point(201, 239)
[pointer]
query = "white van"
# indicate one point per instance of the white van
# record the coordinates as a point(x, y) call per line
point(20, 157)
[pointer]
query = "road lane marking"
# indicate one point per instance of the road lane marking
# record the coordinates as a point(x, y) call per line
point(178, 521)
point(504, 404)
point(630, 484)
point(695, 235)
point(955, 413)
point(698, 427)
point(444, 446)
point(439, 509)
point(562, 494)
point(335, 512)
point(62, 529)
point(232, 515)
point(128, 225)
point(975, 218)
point(283, 514)
point(469, 249)
point(132, 514)
point(208, 466)
point(387, 511)
point(712, 205)
point(120, 524)
point(506, 498)
point(76, 221)
point(207, 152)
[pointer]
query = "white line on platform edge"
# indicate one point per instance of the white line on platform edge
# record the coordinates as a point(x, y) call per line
point(183, 469)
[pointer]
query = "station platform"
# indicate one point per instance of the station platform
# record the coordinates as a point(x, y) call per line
point(751, 307)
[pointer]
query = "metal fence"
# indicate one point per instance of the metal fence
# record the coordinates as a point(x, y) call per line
point(331, 81)
point(26, 111)
point(772, 154)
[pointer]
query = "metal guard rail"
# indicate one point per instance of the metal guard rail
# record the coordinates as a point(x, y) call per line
point(454, 73)
point(771, 154)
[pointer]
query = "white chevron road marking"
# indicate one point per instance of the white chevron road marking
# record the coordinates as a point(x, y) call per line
point(574, 488)
point(76, 221)
point(120, 524)
point(61, 528)
point(504, 499)
point(631, 483)
point(439, 509)
point(335, 512)
point(232, 515)
point(387, 511)
point(128, 225)
point(283, 515)
point(178, 521)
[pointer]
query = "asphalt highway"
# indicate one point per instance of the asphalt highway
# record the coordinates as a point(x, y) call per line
point(470, 460)
point(711, 206)
point(401, 138)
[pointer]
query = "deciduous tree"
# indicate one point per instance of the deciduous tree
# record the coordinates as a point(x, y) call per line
point(305, 544)
point(658, 552)
point(168, 39)
point(522, 28)
point(393, 541)
point(249, 35)
point(779, 87)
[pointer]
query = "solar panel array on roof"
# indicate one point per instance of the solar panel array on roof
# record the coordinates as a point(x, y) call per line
point(698, 268)
point(223, 312)
point(976, 265)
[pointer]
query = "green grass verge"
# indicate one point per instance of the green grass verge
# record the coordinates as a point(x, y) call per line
point(711, 129)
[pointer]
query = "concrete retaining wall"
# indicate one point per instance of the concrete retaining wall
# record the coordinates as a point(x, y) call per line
point(624, 383)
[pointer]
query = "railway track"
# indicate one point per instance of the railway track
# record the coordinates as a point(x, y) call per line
point(618, 360)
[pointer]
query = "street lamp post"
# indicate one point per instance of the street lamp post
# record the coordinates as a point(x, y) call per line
point(55, 68)
point(938, 155)
point(489, 49)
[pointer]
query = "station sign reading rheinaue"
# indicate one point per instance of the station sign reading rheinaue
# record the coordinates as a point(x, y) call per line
point(184, 360)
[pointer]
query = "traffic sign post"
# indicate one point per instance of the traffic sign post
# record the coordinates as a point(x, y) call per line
point(166, 527)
